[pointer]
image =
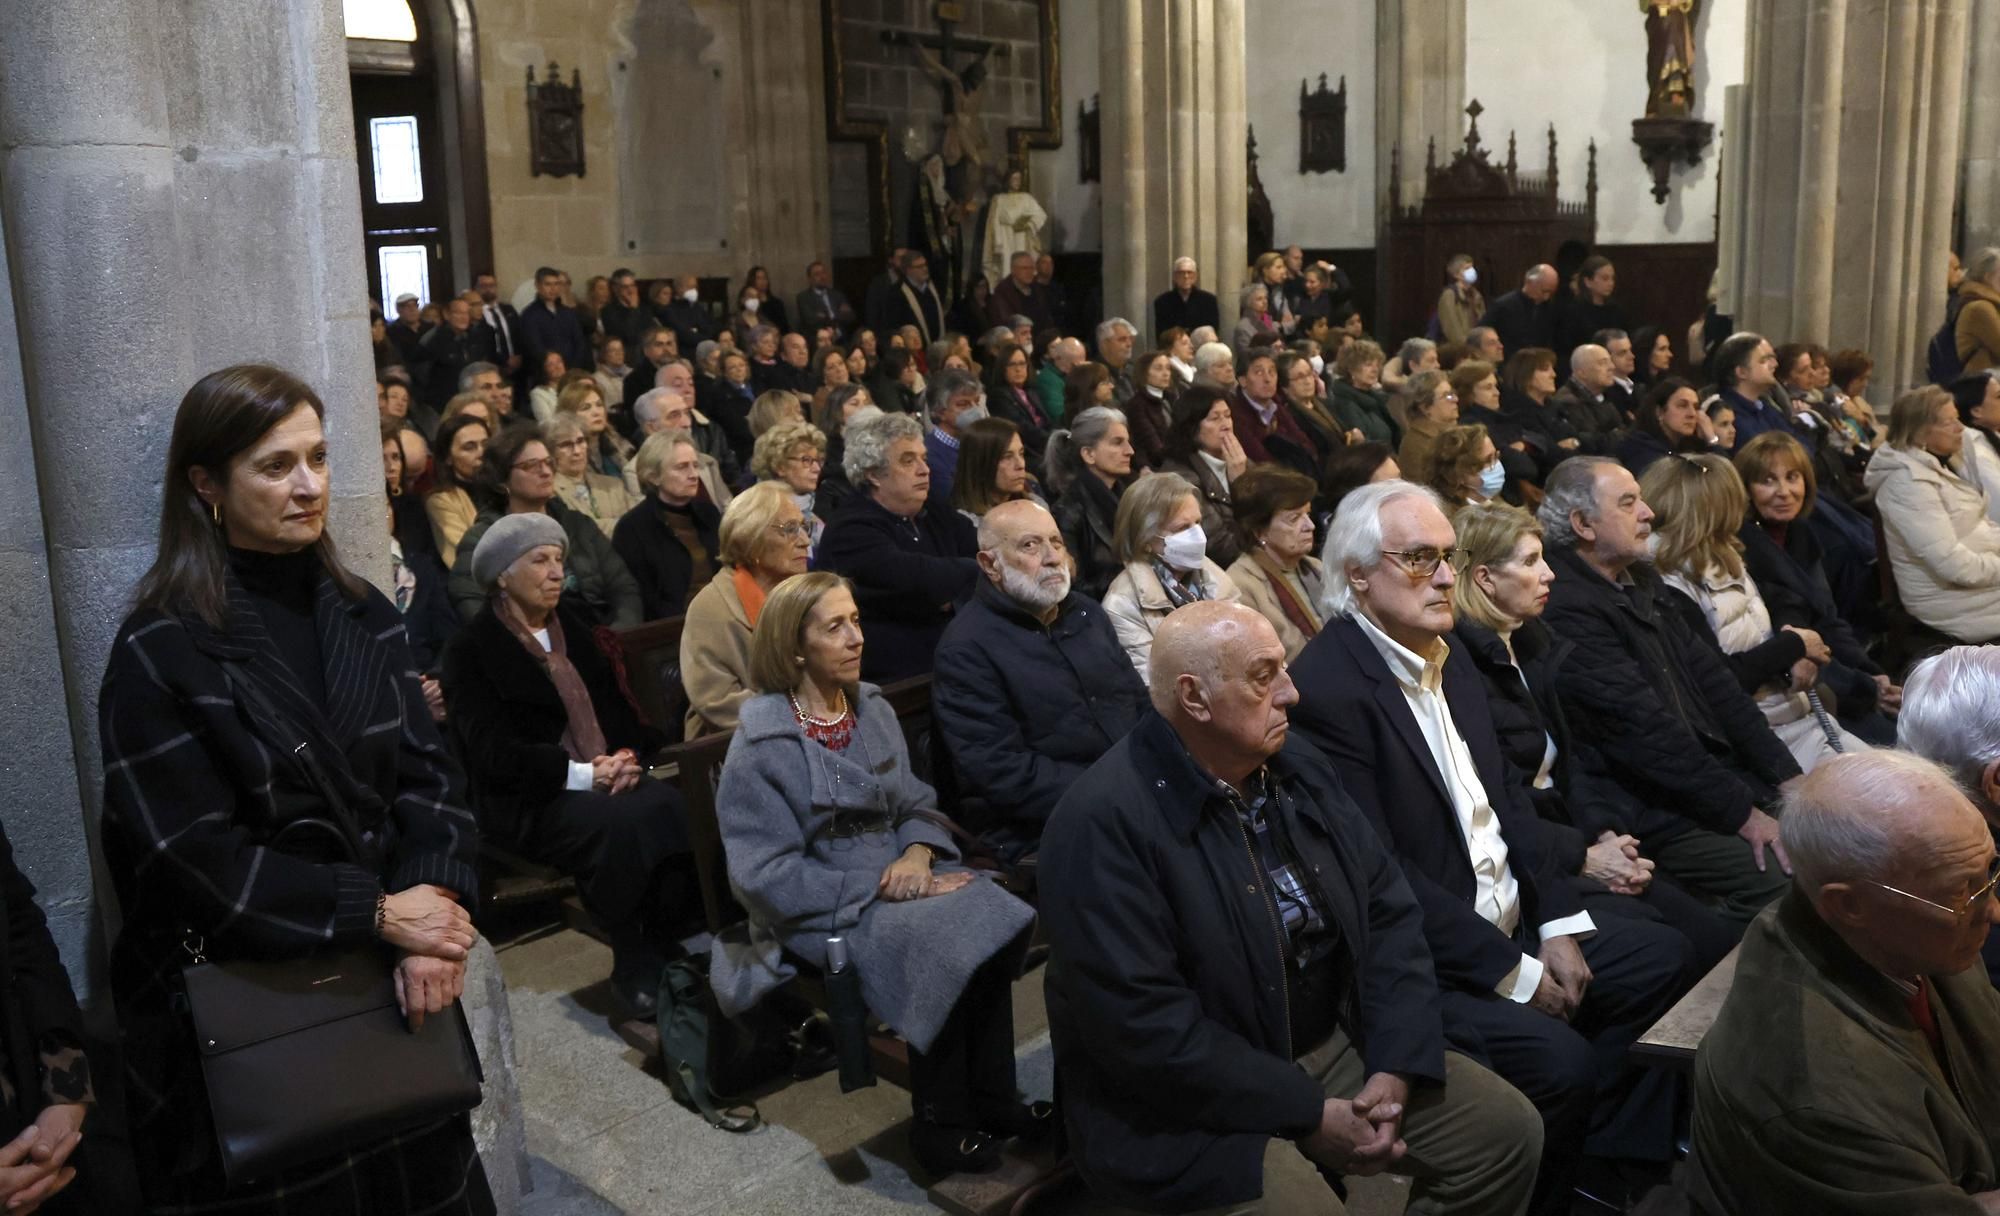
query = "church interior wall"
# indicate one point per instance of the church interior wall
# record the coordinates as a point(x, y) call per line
point(1074, 206)
point(1595, 87)
point(1293, 40)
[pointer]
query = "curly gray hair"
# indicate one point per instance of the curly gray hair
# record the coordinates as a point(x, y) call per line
point(868, 438)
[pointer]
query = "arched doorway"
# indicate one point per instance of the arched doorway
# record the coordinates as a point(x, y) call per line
point(420, 137)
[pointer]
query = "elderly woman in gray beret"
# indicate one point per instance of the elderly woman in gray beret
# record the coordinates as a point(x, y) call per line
point(552, 750)
point(829, 832)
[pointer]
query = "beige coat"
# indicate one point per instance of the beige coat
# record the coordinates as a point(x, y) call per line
point(452, 512)
point(715, 656)
point(602, 497)
point(1943, 548)
point(1419, 441)
point(1978, 332)
point(1253, 584)
point(1137, 603)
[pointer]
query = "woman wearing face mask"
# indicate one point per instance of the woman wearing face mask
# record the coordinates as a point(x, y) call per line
point(1202, 450)
point(1460, 305)
point(1465, 467)
point(771, 306)
point(1159, 539)
point(749, 315)
point(1277, 574)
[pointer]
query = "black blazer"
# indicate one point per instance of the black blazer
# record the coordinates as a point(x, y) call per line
point(1353, 709)
point(909, 577)
point(508, 720)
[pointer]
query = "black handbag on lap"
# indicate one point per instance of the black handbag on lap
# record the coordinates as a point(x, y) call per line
point(305, 1057)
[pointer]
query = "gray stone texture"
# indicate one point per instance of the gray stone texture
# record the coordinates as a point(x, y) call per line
point(1981, 202)
point(497, 1126)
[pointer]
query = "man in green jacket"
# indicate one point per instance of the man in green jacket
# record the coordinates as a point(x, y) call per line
point(1855, 1066)
point(1063, 354)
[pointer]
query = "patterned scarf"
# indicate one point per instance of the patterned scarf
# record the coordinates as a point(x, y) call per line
point(582, 738)
point(1179, 594)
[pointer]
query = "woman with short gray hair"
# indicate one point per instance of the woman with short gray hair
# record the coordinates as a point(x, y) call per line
point(1159, 538)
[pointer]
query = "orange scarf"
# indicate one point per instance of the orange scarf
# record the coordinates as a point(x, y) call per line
point(750, 593)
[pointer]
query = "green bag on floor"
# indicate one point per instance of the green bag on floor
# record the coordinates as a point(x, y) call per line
point(694, 1035)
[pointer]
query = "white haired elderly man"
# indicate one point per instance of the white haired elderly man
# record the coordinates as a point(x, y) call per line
point(1679, 753)
point(1215, 366)
point(1951, 715)
point(1855, 1066)
point(660, 410)
point(711, 436)
point(1115, 337)
point(1184, 305)
point(1584, 404)
point(1554, 996)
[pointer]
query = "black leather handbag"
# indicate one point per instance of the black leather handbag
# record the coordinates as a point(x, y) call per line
point(305, 1057)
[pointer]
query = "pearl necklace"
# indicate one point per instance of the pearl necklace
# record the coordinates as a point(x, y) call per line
point(840, 700)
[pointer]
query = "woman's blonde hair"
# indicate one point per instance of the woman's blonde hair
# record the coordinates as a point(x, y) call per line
point(1770, 452)
point(769, 408)
point(1143, 510)
point(1698, 505)
point(746, 523)
point(775, 446)
point(1488, 532)
point(1913, 414)
point(655, 453)
point(454, 407)
point(576, 392)
point(776, 664)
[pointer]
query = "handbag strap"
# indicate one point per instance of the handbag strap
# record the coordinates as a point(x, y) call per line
point(265, 720)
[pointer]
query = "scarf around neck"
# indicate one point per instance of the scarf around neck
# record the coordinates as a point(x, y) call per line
point(582, 738)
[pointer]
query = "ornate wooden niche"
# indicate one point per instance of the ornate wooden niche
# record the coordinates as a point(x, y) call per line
point(555, 124)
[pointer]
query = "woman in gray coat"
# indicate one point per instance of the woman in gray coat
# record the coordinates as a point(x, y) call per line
point(827, 830)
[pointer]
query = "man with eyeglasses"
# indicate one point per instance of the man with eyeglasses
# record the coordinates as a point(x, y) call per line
point(953, 401)
point(1553, 997)
point(1855, 1066)
point(1030, 684)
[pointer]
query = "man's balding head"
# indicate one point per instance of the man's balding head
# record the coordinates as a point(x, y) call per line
point(1218, 676)
point(1592, 367)
point(1539, 283)
point(1891, 852)
point(1021, 552)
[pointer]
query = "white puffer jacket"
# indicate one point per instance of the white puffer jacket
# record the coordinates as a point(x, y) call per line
point(1943, 547)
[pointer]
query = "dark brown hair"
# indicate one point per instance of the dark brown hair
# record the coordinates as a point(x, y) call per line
point(222, 416)
point(1260, 493)
point(979, 453)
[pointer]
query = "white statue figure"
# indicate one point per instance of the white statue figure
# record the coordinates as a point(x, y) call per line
point(1014, 225)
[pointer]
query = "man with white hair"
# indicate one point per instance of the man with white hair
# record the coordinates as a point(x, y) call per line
point(1184, 305)
point(1115, 337)
point(1951, 715)
point(1555, 997)
point(1239, 992)
point(1855, 1066)
point(709, 435)
point(1527, 316)
point(1215, 367)
point(1062, 357)
point(1682, 757)
point(1030, 685)
point(1582, 404)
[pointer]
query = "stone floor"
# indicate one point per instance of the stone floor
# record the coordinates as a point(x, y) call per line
point(606, 1138)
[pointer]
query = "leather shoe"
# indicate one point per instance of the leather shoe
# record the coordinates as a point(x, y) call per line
point(637, 999)
point(1018, 1120)
point(941, 1150)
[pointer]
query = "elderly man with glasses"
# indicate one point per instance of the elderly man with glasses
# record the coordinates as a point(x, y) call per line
point(1951, 714)
point(1553, 997)
point(1855, 1066)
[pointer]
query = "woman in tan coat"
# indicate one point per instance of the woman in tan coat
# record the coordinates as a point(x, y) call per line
point(1277, 574)
point(763, 541)
point(1978, 329)
point(1427, 407)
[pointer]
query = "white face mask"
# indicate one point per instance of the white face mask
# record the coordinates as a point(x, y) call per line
point(1318, 364)
point(751, 305)
point(1184, 550)
point(1471, 275)
point(691, 295)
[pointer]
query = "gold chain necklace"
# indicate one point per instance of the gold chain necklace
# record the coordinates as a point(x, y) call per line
point(840, 698)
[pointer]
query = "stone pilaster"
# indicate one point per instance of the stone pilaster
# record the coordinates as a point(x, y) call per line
point(1419, 87)
point(1980, 203)
point(1175, 130)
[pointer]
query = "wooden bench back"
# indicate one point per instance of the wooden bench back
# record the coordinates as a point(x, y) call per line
point(648, 659)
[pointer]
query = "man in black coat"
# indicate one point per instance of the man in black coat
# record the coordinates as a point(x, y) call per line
point(657, 347)
point(1031, 685)
point(1584, 404)
point(452, 347)
point(1663, 727)
point(689, 318)
point(1553, 997)
point(911, 560)
point(1525, 317)
point(503, 320)
point(1185, 306)
point(626, 318)
point(549, 325)
point(1238, 987)
point(823, 304)
point(884, 297)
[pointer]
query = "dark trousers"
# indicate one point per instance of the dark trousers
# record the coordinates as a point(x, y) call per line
point(617, 846)
point(1593, 1099)
point(969, 1070)
point(1665, 902)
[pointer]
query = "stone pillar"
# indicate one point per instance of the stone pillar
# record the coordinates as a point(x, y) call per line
point(204, 199)
point(779, 157)
point(1980, 202)
point(1419, 87)
point(1874, 127)
point(1175, 117)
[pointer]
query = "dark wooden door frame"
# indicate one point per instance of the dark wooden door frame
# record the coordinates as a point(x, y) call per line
point(462, 113)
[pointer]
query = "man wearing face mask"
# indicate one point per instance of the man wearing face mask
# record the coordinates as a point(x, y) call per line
point(691, 322)
point(953, 401)
point(1460, 305)
point(1031, 686)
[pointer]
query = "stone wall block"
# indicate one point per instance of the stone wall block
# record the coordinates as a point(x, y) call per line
point(232, 80)
point(498, 1127)
point(48, 102)
point(245, 254)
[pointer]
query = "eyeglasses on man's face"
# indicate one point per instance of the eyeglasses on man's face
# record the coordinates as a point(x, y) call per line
point(1972, 903)
point(1422, 563)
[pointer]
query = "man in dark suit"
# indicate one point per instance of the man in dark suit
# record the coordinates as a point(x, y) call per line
point(551, 326)
point(503, 320)
point(1018, 295)
point(1554, 998)
point(1525, 317)
point(690, 320)
point(917, 302)
point(821, 303)
point(452, 347)
point(1185, 306)
point(626, 317)
point(884, 299)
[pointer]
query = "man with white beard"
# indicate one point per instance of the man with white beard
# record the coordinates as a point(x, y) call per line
point(1030, 685)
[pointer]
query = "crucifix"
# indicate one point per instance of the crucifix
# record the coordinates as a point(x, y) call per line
point(964, 136)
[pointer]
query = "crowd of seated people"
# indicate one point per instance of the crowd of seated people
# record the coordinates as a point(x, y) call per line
point(1565, 649)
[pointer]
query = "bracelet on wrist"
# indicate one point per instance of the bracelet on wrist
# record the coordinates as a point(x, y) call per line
point(381, 912)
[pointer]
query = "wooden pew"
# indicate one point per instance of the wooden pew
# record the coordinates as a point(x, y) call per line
point(1672, 1041)
point(648, 661)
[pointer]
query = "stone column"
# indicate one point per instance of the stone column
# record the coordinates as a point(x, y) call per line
point(202, 204)
point(1875, 128)
point(776, 104)
point(1980, 203)
point(1175, 116)
point(1419, 86)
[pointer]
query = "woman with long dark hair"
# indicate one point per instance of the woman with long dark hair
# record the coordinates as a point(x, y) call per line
point(251, 645)
point(1668, 420)
point(992, 469)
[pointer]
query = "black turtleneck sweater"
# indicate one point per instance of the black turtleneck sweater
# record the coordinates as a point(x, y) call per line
point(283, 588)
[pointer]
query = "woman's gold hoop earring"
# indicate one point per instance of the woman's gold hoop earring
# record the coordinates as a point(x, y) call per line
point(215, 513)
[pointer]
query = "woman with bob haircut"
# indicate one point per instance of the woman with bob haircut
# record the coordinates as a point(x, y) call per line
point(250, 646)
point(765, 540)
point(829, 832)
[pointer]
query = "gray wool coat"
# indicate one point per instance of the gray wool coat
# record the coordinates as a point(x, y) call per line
point(779, 788)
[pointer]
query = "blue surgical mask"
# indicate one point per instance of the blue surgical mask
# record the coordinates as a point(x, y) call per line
point(1492, 479)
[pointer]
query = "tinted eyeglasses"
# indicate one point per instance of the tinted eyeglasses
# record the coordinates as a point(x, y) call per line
point(1422, 563)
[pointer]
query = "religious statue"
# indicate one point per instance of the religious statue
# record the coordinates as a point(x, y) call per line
point(1013, 225)
point(964, 133)
point(936, 230)
point(1670, 56)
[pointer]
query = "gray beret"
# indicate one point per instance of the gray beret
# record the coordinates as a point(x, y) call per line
point(510, 537)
